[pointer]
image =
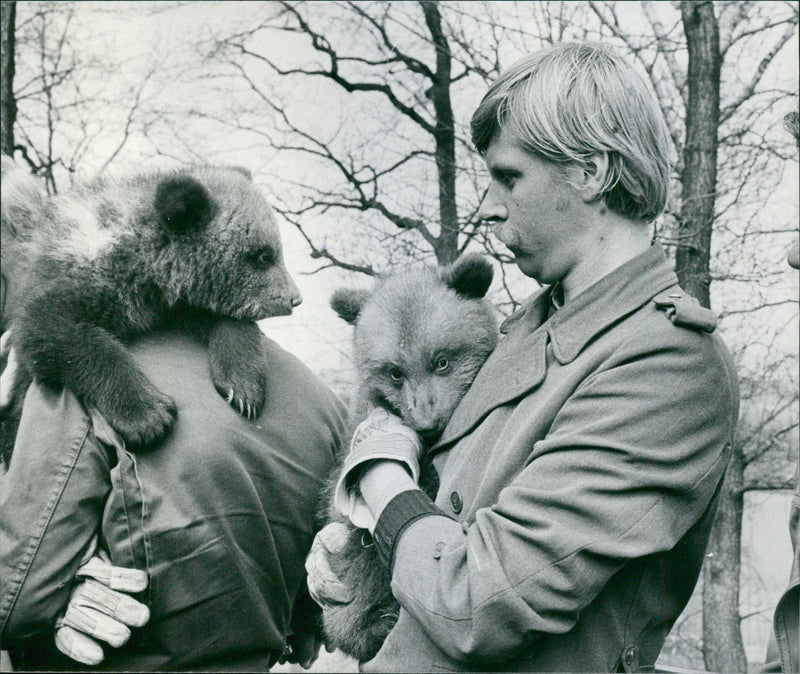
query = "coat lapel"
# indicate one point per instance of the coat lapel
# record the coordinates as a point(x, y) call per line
point(517, 365)
point(519, 362)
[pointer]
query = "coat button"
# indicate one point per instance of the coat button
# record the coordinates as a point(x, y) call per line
point(437, 550)
point(631, 659)
point(455, 502)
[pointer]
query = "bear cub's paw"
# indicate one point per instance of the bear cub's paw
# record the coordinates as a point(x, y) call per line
point(237, 365)
point(144, 420)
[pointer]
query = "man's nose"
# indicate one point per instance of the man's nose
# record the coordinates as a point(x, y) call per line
point(491, 210)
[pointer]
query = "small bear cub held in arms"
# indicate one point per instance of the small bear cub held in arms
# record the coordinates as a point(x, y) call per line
point(196, 247)
point(420, 338)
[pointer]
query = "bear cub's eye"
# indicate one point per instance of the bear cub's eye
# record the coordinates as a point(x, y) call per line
point(265, 257)
point(442, 364)
point(396, 375)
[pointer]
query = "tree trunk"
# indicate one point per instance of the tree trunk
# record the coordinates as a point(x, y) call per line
point(723, 650)
point(446, 247)
point(700, 149)
point(8, 104)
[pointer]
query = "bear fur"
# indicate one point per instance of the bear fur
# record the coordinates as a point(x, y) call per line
point(90, 269)
point(420, 338)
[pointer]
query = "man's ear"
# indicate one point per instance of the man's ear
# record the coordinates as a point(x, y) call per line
point(590, 178)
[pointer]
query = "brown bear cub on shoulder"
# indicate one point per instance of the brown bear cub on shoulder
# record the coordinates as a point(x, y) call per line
point(196, 247)
point(420, 338)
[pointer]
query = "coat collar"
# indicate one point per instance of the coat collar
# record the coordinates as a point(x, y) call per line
point(614, 296)
point(519, 362)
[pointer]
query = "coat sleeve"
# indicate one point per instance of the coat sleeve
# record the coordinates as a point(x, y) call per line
point(51, 502)
point(632, 460)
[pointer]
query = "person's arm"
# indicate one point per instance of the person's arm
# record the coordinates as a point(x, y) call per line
point(306, 636)
point(631, 462)
point(51, 501)
point(381, 482)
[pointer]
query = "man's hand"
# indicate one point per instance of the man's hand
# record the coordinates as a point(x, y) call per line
point(303, 648)
point(381, 436)
point(100, 610)
point(324, 585)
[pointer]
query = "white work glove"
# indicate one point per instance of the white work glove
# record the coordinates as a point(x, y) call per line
point(9, 375)
point(382, 435)
point(324, 585)
point(99, 608)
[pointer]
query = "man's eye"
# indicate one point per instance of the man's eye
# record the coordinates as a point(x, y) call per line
point(507, 180)
point(396, 375)
point(442, 364)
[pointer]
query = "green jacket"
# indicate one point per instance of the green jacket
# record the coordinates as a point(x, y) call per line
point(579, 480)
point(221, 515)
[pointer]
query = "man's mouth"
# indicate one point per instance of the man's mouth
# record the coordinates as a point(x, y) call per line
point(514, 250)
point(509, 238)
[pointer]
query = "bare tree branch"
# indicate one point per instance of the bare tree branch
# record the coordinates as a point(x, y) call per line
point(727, 112)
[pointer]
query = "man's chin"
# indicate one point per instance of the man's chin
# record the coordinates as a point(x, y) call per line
point(527, 265)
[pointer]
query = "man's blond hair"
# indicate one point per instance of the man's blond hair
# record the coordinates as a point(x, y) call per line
point(568, 102)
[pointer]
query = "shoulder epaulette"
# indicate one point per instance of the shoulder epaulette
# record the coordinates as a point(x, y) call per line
point(685, 311)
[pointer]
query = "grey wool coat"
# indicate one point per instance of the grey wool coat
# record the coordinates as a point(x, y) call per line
point(579, 479)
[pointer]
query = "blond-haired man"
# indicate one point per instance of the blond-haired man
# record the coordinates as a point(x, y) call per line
point(579, 476)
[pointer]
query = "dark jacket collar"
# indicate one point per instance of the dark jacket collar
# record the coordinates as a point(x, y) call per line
point(518, 364)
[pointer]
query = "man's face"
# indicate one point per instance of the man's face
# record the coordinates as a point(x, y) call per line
point(533, 210)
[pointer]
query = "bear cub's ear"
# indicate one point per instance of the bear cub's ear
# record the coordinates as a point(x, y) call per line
point(244, 171)
point(470, 275)
point(182, 204)
point(348, 303)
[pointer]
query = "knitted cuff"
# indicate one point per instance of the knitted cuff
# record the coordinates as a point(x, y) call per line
point(405, 508)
